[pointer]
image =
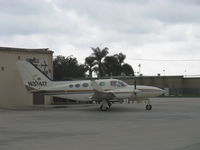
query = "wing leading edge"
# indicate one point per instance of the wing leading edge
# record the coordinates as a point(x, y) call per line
point(100, 93)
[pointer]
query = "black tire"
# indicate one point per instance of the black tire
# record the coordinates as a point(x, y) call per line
point(148, 107)
point(109, 104)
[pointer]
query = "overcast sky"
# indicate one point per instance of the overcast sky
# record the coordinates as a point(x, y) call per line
point(147, 31)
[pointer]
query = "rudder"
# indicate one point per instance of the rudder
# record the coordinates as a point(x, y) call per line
point(32, 77)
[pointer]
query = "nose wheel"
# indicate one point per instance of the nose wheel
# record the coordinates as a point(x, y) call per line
point(148, 105)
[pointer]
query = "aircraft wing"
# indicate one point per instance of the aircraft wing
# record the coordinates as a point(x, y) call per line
point(99, 93)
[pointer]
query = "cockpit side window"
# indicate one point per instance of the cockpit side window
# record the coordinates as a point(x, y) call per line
point(113, 83)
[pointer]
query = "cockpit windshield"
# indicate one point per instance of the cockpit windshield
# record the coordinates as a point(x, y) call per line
point(118, 83)
point(121, 83)
point(113, 83)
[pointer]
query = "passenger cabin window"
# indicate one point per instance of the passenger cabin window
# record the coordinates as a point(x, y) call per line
point(102, 83)
point(77, 85)
point(85, 84)
point(113, 83)
point(71, 85)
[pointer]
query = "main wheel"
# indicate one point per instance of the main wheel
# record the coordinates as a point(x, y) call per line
point(103, 108)
point(148, 107)
point(109, 104)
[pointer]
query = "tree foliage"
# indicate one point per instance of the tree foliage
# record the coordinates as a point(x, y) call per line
point(127, 69)
point(98, 62)
point(120, 57)
point(67, 68)
point(111, 66)
point(90, 64)
point(99, 54)
point(115, 66)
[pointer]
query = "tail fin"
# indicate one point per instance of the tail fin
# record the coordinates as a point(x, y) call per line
point(32, 77)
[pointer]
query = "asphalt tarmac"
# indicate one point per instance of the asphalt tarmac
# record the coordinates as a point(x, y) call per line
point(172, 124)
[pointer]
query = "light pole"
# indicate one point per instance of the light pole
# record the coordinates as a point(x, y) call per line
point(139, 69)
point(164, 72)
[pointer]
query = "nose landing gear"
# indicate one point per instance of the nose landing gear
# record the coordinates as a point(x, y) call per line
point(148, 105)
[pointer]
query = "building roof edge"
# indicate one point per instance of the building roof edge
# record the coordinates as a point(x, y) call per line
point(36, 50)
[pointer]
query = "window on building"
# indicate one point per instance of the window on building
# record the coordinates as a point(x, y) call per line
point(19, 57)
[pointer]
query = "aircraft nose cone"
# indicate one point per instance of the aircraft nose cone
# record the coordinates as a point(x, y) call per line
point(160, 91)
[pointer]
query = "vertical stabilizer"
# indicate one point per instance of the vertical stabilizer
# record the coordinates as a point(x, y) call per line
point(32, 77)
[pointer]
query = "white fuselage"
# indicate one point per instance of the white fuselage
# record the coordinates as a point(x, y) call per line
point(83, 91)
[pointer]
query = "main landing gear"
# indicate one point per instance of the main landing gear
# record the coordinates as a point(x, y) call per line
point(148, 105)
point(105, 105)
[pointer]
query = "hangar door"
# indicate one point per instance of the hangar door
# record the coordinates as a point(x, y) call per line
point(38, 99)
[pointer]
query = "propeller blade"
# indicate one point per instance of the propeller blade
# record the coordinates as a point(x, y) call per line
point(135, 88)
point(135, 83)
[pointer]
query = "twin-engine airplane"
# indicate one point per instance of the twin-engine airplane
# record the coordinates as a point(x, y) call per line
point(103, 91)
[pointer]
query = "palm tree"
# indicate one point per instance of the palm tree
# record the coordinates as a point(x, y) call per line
point(90, 63)
point(99, 55)
point(120, 57)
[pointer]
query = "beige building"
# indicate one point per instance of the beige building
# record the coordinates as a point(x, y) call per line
point(12, 90)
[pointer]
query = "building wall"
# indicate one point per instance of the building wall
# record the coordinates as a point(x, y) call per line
point(192, 82)
point(12, 89)
point(175, 85)
point(158, 81)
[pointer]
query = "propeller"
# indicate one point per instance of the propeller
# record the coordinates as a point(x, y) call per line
point(135, 90)
point(135, 87)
